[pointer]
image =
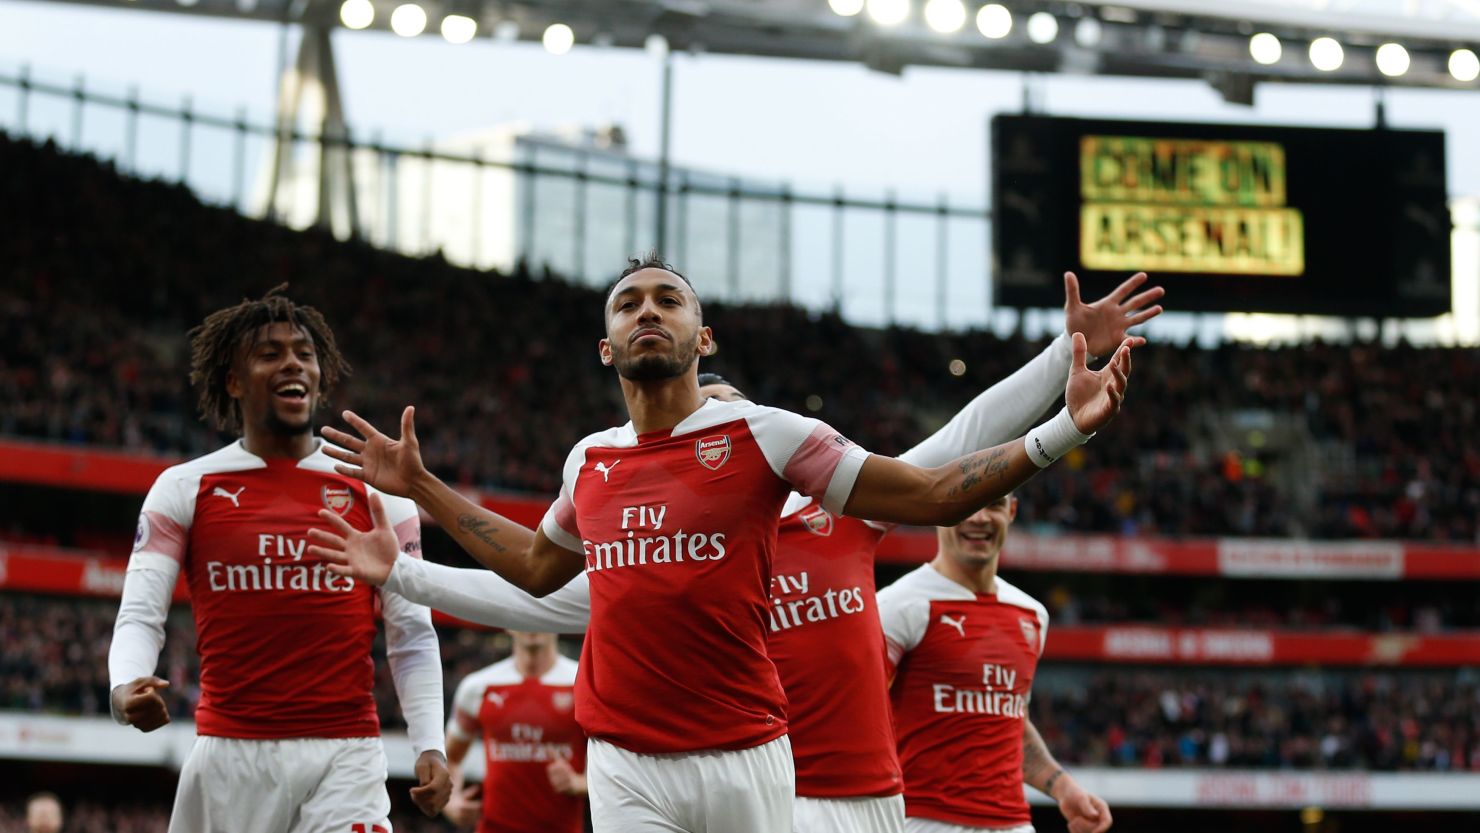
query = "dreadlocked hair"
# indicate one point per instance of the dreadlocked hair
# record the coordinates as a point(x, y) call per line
point(215, 343)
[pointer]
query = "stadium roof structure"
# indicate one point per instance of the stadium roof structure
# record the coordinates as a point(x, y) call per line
point(1233, 45)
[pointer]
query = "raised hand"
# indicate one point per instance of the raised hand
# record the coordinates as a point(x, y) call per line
point(1094, 396)
point(140, 704)
point(564, 778)
point(366, 556)
point(389, 465)
point(1106, 321)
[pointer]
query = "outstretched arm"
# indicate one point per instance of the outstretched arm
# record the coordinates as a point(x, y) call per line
point(894, 491)
point(1086, 813)
point(483, 597)
point(1008, 408)
point(525, 557)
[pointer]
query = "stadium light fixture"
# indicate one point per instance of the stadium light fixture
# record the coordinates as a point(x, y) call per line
point(945, 16)
point(1042, 27)
point(846, 8)
point(408, 20)
point(458, 28)
point(1326, 54)
point(656, 45)
point(1464, 65)
point(558, 39)
point(994, 21)
point(1265, 48)
point(1392, 59)
point(1088, 32)
point(888, 12)
point(357, 14)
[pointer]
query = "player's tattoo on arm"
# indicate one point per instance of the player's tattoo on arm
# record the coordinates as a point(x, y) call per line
point(980, 466)
point(480, 528)
point(1038, 761)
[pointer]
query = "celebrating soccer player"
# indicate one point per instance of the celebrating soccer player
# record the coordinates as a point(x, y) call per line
point(522, 709)
point(673, 518)
point(825, 632)
point(964, 645)
point(288, 735)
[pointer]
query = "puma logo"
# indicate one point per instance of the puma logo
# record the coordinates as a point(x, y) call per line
point(959, 624)
point(220, 492)
point(605, 470)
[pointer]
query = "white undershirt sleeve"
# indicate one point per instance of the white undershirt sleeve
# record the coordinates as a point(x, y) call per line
point(138, 632)
point(1001, 413)
point(483, 597)
point(416, 667)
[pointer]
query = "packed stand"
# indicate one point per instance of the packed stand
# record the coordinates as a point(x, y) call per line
point(102, 276)
point(1260, 720)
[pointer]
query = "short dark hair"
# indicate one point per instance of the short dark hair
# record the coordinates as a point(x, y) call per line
point(716, 379)
point(214, 345)
point(652, 260)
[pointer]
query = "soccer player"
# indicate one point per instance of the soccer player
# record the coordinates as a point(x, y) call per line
point(522, 709)
point(673, 517)
point(827, 651)
point(964, 645)
point(287, 731)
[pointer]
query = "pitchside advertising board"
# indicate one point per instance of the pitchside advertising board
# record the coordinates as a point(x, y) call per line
point(1228, 218)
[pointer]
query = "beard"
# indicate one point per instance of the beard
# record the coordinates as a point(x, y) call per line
point(655, 367)
point(280, 427)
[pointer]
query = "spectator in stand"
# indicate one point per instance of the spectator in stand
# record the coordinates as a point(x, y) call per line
point(44, 813)
point(88, 358)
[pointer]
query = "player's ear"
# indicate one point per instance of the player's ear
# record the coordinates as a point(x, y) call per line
point(604, 349)
point(233, 384)
point(706, 342)
point(1012, 507)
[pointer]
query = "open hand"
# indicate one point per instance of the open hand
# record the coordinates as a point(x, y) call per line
point(1106, 321)
point(367, 556)
point(1094, 396)
point(140, 704)
point(435, 783)
point(389, 465)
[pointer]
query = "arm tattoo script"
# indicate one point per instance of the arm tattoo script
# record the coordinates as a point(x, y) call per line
point(480, 529)
point(978, 467)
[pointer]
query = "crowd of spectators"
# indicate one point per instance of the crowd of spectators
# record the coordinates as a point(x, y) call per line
point(1411, 720)
point(56, 661)
point(103, 275)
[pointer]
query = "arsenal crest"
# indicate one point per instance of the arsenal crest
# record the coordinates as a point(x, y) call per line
point(562, 700)
point(713, 452)
point(1030, 633)
point(338, 499)
point(818, 520)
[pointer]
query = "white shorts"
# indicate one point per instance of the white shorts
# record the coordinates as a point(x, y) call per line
point(302, 785)
point(916, 825)
point(719, 791)
point(875, 814)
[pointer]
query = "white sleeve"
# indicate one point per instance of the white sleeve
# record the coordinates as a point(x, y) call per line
point(1001, 413)
point(463, 722)
point(559, 523)
point(905, 617)
point(411, 647)
point(483, 597)
point(811, 455)
point(149, 584)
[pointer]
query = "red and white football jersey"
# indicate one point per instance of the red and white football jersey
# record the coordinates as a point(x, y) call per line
point(825, 638)
point(964, 665)
point(284, 644)
point(524, 724)
point(678, 530)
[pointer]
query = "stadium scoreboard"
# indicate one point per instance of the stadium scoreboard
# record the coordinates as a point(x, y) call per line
point(1227, 217)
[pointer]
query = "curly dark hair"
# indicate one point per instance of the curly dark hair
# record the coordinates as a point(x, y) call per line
point(216, 343)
